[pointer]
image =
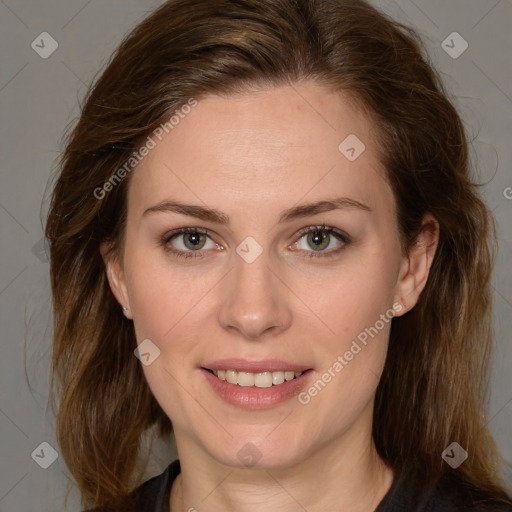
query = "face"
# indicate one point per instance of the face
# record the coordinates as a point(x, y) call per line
point(266, 283)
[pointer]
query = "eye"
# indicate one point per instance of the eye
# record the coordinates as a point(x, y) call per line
point(192, 241)
point(320, 237)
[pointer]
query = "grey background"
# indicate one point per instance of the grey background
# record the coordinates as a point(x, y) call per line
point(40, 97)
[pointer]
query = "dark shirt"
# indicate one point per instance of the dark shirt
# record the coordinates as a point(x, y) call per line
point(450, 495)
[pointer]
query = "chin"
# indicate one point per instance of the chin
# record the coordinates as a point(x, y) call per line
point(258, 452)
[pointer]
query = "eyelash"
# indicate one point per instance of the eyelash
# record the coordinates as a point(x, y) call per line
point(339, 235)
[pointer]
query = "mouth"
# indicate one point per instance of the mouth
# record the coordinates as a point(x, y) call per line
point(259, 389)
point(264, 379)
point(256, 384)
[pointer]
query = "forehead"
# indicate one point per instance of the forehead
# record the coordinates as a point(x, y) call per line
point(263, 148)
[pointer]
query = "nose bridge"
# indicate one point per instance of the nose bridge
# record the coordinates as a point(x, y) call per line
point(253, 302)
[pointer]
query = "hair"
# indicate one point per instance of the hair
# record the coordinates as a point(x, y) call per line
point(436, 372)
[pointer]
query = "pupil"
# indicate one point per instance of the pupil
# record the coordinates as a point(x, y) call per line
point(192, 240)
point(318, 238)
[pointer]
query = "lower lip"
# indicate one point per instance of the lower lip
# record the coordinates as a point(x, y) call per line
point(253, 397)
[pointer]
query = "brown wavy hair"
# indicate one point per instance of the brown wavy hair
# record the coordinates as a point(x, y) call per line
point(433, 389)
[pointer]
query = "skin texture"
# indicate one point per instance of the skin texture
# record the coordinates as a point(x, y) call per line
point(251, 156)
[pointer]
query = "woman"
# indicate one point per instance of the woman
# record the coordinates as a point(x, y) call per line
point(264, 232)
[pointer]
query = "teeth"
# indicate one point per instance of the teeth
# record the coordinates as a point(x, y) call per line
point(232, 376)
point(277, 378)
point(260, 380)
point(246, 379)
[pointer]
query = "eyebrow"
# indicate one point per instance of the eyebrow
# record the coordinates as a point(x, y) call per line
point(218, 217)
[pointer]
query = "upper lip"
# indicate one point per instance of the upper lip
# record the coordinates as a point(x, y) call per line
point(243, 365)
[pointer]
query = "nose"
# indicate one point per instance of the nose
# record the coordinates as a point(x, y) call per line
point(255, 300)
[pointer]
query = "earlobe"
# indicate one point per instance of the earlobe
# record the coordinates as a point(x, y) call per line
point(115, 277)
point(417, 263)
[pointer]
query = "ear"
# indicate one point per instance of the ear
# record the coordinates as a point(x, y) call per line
point(416, 265)
point(115, 276)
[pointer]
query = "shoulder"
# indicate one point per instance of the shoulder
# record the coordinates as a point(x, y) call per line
point(449, 494)
point(453, 493)
point(153, 495)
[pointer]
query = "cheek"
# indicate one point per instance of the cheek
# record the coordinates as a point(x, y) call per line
point(350, 298)
point(356, 308)
point(162, 294)
point(151, 297)
point(165, 308)
point(352, 364)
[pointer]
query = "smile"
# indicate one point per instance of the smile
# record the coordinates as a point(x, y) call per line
point(259, 380)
